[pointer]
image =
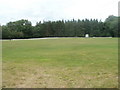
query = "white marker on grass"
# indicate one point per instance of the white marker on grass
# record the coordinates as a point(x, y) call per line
point(86, 35)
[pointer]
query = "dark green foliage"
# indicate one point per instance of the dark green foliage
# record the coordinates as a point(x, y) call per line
point(74, 28)
point(112, 25)
point(18, 29)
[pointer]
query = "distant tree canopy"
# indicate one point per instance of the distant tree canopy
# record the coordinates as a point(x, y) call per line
point(74, 28)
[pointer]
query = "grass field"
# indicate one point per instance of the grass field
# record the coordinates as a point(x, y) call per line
point(61, 63)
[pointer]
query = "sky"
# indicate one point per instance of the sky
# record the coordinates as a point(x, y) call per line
point(39, 10)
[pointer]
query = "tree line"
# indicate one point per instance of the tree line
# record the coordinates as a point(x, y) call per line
point(62, 28)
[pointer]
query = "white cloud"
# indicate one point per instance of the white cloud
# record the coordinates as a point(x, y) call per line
point(36, 10)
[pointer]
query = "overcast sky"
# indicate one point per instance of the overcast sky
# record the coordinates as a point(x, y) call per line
point(39, 10)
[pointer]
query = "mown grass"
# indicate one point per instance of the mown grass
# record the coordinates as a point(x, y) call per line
point(61, 63)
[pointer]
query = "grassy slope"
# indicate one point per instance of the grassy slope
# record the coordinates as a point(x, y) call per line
point(66, 62)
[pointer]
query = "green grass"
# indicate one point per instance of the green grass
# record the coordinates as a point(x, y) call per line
point(61, 63)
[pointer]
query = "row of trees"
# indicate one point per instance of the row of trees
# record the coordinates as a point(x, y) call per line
point(74, 28)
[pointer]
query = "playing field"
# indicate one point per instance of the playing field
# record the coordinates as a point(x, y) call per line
point(61, 63)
